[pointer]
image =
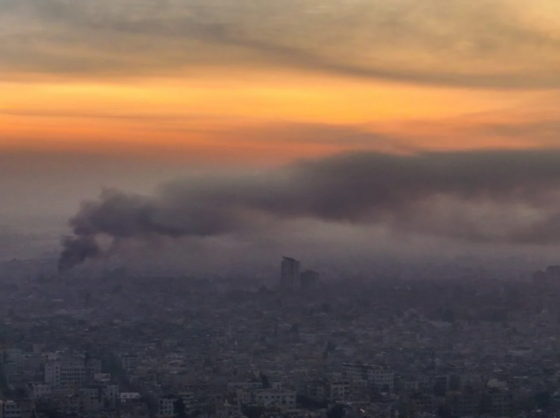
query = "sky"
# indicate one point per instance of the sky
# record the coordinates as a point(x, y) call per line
point(130, 94)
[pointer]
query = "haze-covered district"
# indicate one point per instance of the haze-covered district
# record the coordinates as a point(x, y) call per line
point(362, 285)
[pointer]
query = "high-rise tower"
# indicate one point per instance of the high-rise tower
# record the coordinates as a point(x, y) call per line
point(289, 274)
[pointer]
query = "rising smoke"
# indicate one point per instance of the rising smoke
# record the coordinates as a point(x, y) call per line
point(491, 196)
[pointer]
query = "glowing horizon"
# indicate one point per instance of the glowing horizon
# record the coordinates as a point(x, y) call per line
point(267, 83)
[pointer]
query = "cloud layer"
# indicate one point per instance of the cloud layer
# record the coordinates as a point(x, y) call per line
point(488, 43)
point(501, 196)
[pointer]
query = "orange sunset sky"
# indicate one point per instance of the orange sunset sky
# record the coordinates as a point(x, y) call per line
point(263, 82)
point(129, 93)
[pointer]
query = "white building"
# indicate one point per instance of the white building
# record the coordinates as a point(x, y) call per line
point(102, 377)
point(13, 409)
point(356, 371)
point(285, 399)
point(129, 397)
point(382, 378)
point(339, 391)
point(110, 394)
point(90, 399)
point(129, 362)
point(38, 390)
point(166, 407)
point(244, 396)
point(65, 374)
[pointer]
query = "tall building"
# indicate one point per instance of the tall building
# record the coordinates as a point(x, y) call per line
point(289, 274)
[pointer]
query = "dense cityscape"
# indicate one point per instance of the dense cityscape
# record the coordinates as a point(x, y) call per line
point(299, 346)
point(279, 209)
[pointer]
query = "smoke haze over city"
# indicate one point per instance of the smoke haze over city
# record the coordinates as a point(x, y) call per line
point(189, 123)
point(507, 197)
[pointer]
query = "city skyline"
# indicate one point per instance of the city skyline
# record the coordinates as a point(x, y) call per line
point(279, 208)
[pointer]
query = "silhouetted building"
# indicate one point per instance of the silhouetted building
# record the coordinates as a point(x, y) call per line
point(289, 274)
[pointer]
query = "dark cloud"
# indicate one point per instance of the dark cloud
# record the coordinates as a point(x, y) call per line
point(499, 196)
point(77, 250)
point(488, 43)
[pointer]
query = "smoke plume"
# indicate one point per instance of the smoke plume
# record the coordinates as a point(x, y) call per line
point(490, 196)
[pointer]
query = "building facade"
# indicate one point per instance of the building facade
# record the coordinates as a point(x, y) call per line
point(289, 273)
